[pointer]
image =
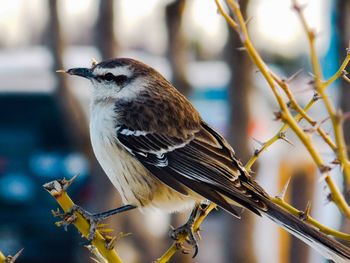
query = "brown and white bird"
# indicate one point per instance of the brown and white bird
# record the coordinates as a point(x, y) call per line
point(158, 152)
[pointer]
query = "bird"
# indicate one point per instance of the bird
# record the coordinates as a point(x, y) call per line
point(158, 152)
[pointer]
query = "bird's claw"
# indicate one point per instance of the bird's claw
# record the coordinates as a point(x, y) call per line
point(185, 230)
point(91, 218)
point(70, 217)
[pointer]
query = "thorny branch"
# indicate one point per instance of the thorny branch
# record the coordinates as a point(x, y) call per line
point(285, 115)
point(9, 258)
point(335, 116)
point(178, 245)
point(103, 244)
point(240, 26)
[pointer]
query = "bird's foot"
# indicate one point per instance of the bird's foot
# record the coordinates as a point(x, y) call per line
point(186, 231)
point(93, 219)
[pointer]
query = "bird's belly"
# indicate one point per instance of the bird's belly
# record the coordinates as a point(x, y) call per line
point(132, 180)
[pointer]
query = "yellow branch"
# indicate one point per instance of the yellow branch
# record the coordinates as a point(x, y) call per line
point(336, 118)
point(302, 112)
point(58, 190)
point(276, 137)
point(285, 113)
point(339, 73)
point(326, 230)
point(2, 258)
point(177, 244)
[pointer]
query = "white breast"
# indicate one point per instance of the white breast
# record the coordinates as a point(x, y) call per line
point(134, 183)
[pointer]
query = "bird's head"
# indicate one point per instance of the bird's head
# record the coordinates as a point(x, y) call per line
point(120, 78)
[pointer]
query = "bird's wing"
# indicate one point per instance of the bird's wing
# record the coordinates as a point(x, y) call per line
point(201, 160)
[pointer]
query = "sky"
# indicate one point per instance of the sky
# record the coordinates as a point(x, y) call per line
point(141, 22)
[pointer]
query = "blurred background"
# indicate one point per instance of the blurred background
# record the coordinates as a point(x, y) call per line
point(44, 116)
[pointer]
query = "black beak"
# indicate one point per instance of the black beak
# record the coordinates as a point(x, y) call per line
point(81, 72)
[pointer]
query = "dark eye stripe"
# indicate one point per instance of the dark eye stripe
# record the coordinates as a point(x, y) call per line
point(119, 80)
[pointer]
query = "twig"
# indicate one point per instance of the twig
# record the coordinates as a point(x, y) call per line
point(285, 114)
point(294, 103)
point(58, 189)
point(275, 138)
point(307, 218)
point(2, 257)
point(9, 258)
point(346, 78)
point(336, 118)
point(178, 244)
point(339, 73)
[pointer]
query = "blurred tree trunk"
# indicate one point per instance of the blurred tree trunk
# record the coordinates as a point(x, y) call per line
point(177, 45)
point(300, 191)
point(177, 56)
point(145, 243)
point(74, 117)
point(239, 237)
point(343, 26)
point(106, 196)
point(104, 36)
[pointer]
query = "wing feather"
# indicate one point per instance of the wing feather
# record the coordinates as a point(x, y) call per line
point(201, 160)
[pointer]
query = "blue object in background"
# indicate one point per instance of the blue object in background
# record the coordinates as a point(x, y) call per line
point(17, 188)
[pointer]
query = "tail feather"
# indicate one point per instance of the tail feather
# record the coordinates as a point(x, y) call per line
point(325, 245)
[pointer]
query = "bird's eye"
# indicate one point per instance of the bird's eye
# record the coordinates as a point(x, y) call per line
point(108, 77)
point(119, 80)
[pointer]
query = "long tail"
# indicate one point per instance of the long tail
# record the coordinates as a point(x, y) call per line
point(325, 245)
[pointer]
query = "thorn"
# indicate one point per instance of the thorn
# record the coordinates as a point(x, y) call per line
point(241, 49)
point(181, 247)
point(298, 7)
point(93, 62)
point(329, 198)
point(61, 71)
point(335, 161)
point(259, 142)
point(311, 82)
point(306, 214)
point(12, 259)
point(122, 235)
point(344, 73)
point(313, 34)
point(95, 260)
point(322, 178)
point(294, 76)
point(316, 96)
point(278, 115)
point(57, 213)
point(110, 243)
point(248, 20)
point(282, 136)
point(257, 152)
point(67, 183)
point(324, 120)
point(106, 230)
point(99, 258)
point(346, 78)
point(282, 194)
point(324, 168)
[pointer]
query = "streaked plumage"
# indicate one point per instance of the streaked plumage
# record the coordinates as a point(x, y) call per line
point(158, 152)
